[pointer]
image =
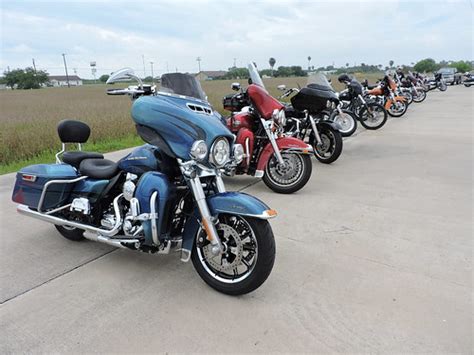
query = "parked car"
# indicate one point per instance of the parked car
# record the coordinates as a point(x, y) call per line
point(451, 75)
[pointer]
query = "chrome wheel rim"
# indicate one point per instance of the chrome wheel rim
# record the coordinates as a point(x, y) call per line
point(240, 254)
point(345, 121)
point(286, 174)
point(326, 149)
point(374, 117)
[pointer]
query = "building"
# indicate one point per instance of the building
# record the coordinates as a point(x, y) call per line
point(210, 75)
point(61, 80)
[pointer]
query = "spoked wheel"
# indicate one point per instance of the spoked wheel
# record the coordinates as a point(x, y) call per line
point(247, 259)
point(71, 233)
point(420, 96)
point(409, 97)
point(346, 121)
point(397, 108)
point(331, 145)
point(288, 177)
point(373, 116)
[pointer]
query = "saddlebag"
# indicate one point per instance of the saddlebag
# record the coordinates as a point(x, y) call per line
point(31, 180)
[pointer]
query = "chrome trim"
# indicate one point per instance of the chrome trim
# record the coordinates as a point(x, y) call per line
point(266, 126)
point(185, 255)
point(263, 215)
point(154, 229)
point(220, 183)
point(315, 129)
point(63, 149)
point(51, 182)
point(200, 197)
point(211, 152)
point(22, 209)
point(118, 243)
point(259, 173)
point(247, 149)
point(199, 108)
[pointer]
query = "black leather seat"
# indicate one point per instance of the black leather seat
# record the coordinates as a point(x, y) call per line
point(98, 168)
point(75, 158)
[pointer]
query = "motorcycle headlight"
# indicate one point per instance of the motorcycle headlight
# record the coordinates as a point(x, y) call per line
point(198, 150)
point(220, 152)
point(238, 152)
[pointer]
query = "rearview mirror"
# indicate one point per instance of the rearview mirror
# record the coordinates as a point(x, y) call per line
point(281, 87)
point(125, 74)
point(235, 86)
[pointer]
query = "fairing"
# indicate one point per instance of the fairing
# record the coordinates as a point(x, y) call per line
point(170, 123)
point(263, 102)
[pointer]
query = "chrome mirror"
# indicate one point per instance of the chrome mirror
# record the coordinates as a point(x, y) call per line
point(125, 74)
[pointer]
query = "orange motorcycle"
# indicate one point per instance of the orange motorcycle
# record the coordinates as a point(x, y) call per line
point(385, 94)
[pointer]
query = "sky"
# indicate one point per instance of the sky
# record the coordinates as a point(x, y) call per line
point(172, 34)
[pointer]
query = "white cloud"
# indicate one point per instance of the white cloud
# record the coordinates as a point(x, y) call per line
point(176, 32)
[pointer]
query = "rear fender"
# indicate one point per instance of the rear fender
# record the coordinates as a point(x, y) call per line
point(284, 144)
point(235, 203)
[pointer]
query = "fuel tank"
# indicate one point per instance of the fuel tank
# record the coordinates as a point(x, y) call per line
point(173, 123)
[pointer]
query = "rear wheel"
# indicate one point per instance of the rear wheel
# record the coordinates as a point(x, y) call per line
point(247, 260)
point(346, 121)
point(288, 177)
point(331, 145)
point(71, 233)
point(373, 116)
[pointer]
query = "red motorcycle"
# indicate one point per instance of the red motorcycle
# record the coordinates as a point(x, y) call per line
point(258, 120)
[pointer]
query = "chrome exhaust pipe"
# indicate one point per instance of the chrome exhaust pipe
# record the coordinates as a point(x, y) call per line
point(118, 243)
point(22, 209)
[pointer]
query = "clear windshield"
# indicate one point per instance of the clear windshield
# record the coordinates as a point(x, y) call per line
point(255, 76)
point(319, 79)
point(182, 84)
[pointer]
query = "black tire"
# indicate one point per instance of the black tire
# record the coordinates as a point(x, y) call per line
point(74, 234)
point(467, 85)
point(261, 269)
point(349, 131)
point(398, 113)
point(409, 97)
point(332, 144)
point(302, 174)
point(367, 123)
point(420, 97)
point(442, 87)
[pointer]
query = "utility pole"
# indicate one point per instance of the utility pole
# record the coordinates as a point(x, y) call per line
point(199, 65)
point(65, 68)
point(144, 71)
point(34, 65)
point(152, 77)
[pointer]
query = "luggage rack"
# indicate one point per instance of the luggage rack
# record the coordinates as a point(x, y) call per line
point(53, 182)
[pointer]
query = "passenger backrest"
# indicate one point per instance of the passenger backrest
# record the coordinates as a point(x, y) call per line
point(71, 131)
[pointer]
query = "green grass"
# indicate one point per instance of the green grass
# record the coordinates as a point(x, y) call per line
point(28, 118)
point(48, 156)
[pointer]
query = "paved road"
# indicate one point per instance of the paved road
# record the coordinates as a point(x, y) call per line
point(374, 255)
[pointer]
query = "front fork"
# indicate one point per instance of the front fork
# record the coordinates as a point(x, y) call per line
point(315, 130)
point(267, 126)
point(207, 221)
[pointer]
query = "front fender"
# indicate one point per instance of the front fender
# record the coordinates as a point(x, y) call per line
point(235, 203)
point(284, 144)
point(329, 124)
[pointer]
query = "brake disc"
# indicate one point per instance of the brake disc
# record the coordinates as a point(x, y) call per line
point(233, 253)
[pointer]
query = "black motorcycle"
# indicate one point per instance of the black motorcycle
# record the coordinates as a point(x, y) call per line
point(469, 80)
point(307, 118)
point(437, 83)
point(370, 114)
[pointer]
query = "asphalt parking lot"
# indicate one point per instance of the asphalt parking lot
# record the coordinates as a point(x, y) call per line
point(373, 255)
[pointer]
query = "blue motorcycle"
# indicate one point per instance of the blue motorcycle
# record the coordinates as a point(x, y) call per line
point(165, 195)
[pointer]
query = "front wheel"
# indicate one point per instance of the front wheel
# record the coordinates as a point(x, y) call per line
point(346, 121)
point(442, 86)
point(420, 96)
point(373, 116)
point(331, 145)
point(397, 108)
point(247, 259)
point(288, 177)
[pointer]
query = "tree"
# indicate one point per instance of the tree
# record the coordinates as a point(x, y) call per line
point(426, 65)
point(462, 66)
point(25, 78)
point(391, 63)
point(237, 73)
point(272, 63)
point(309, 62)
point(104, 78)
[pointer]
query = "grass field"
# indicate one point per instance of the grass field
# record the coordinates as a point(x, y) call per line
point(28, 119)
